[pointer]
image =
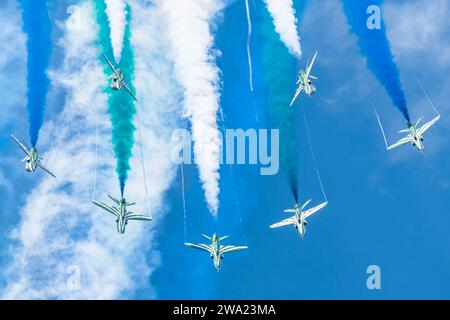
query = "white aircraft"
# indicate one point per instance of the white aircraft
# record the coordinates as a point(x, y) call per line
point(216, 250)
point(32, 159)
point(305, 81)
point(118, 79)
point(415, 134)
point(299, 218)
point(120, 213)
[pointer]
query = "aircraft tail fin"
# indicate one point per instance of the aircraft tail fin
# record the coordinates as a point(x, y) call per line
point(114, 199)
point(207, 237)
point(418, 121)
point(306, 204)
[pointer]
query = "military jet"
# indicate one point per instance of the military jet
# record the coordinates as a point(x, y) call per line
point(120, 213)
point(305, 81)
point(215, 249)
point(299, 218)
point(32, 159)
point(415, 134)
point(118, 79)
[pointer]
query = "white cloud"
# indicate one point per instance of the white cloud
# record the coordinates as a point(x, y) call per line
point(419, 26)
point(283, 15)
point(116, 12)
point(190, 24)
point(60, 228)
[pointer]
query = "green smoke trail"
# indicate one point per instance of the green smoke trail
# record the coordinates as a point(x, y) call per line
point(121, 104)
point(279, 77)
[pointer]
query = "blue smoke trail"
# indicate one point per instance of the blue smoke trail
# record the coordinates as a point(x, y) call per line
point(280, 77)
point(36, 24)
point(375, 47)
point(121, 105)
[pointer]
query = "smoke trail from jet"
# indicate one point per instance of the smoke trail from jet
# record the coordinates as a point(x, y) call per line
point(279, 71)
point(190, 24)
point(121, 105)
point(283, 15)
point(117, 17)
point(249, 38)
point(38, 28)
point(374, 45)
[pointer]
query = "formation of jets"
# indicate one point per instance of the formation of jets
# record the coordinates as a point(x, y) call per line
point(117, 79)
point(32, 159)
point(415, 134)
point(120, 212)
point(298, 220)
point(305, 81)
point(215, 249)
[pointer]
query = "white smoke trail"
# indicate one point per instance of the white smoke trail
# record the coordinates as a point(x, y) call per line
point(116, 12)
point(381, 128)
point(67, 248)
point(190, 24)
point(283, 15)
point(249, 38)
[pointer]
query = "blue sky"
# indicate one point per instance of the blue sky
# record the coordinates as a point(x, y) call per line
point(385, 209)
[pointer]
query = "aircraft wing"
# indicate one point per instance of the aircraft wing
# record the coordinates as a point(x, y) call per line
point(111, 65)
point(297, 93)
point(227, 249)
point(290, 211)
point(427, 125)
point(311, 211)
point(401, 142)
point(46, 169)
point(285, 222)
point(310, 67)
point(203, 247)
point(138, 217)
point(21, 145)
point(129, 91)
point(110, 210)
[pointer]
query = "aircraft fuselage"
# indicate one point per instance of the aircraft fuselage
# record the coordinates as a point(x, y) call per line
point(301, 222)
point(122, 219)
point(216, 256)
point(309, 88)
point(32, 161)
point(116, 82)
point(418, 139)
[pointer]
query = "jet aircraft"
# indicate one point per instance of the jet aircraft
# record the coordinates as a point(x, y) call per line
point(305, 81)
point(215, 249)
point(120, 212)
point(414, 134)
point(299, 218)
point(117, 79)
point(32, 159)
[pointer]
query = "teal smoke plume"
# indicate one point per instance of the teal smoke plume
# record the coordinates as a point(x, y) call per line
point(279, 76)
point(121, 105)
